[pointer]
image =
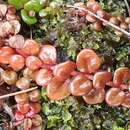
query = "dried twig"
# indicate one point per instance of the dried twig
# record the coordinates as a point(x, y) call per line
point(101, 19)
point(16, 93)
point(127, 6)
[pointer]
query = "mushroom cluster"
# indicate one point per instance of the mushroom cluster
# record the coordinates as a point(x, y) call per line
point(12, 62)
point(83, 78)
point(97, 24)
point(9, 21)
point(26, 63)
point(27, 109)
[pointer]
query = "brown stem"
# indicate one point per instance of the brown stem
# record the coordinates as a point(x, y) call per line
point(19, 92)
point(101, 19)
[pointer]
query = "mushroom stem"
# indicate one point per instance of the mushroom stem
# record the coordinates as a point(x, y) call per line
point(101, 19)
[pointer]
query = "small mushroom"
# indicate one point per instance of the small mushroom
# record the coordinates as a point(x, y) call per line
point(57, 90)
point(88, 61)
point(121, 75)
point(94, 96)
point(16, 41)
point(16, 26)
point(63, 70)
point(34, 96)
point(37, 120)
point(43, 77)
point(79, 85)
point(101, 78)
point(6, 29)
point(114, 97)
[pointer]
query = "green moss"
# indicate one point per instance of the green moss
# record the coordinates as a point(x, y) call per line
point(111, 48)
point(72, 113)
point(113, 6)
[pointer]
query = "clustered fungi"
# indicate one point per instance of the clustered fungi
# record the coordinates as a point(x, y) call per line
point(78, 18)
point(38, 65)
point(68, 77)
point(28, 105)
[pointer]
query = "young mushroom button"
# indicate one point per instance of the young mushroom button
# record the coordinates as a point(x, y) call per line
point(27, 124)
point(48, 54)
point(23, 83)
point(31, 47)
point(33, 62)
point(16, 41)
point(37, 120)
point(16, 62)
point(5, 53)
point(9, 77)
point(29, 73)
point(34, 96)
point(43, 77)
point(22, 98)
point(16, 25)
point(93, 6)
point(23, 108)
point(35, 107)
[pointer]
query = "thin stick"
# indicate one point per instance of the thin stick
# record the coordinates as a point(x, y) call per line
point(16, 93)
point(103, 20)
point(31, 32)
point(127, 6)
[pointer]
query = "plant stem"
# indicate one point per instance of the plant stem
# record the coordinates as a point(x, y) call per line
point(16, 93)
point(101, 19)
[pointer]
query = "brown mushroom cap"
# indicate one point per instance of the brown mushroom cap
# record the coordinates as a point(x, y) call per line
point(94, 96)
point(57, 90)
point(101, 78)
point(6, 29)
point(126, 102)
point(114, 97)
point(88, 61)
point(16, 25)
point(121, 75)
point(79, 85)
point(16, 41)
